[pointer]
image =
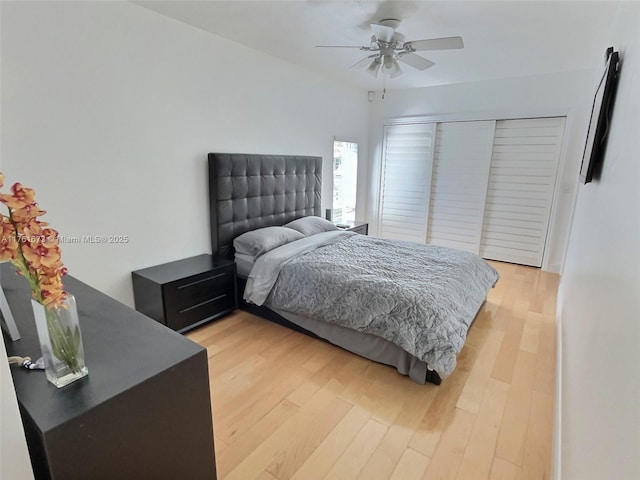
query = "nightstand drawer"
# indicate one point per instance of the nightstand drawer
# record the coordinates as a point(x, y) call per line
point(190, 291)
point(184, 317)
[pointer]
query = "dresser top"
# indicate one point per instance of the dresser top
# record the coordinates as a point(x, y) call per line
point(123, 349)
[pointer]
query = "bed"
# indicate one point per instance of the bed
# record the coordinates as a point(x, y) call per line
point(301, 283)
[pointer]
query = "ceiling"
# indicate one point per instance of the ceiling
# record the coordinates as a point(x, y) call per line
point(502, 38)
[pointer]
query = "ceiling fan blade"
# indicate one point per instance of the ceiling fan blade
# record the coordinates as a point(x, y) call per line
point(445, 43)
point(416, 61)
point(342, 46)
point(363, 62)
point(383, 33)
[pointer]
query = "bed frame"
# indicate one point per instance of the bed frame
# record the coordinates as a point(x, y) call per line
point(249, 191)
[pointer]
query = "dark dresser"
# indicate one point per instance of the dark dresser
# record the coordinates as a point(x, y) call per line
point(186, 293)
point(144, 410)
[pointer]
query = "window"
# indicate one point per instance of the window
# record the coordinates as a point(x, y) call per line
point(345, 172)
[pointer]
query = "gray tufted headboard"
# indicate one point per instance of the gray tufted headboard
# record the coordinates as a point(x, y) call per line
point(248, 191)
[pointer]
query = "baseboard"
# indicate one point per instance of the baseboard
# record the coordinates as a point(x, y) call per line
point(556, 461)
point(552, 267)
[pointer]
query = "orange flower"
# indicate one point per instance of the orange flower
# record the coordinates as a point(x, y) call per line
point(40, 256)
point(27, 213)
point(6, 229)
point(8, 243)
point(30, 229)
point(52, 296)
point(51, 279)
point(20, 197)
point(33, 234)
point(49, 237)
point(8, 248)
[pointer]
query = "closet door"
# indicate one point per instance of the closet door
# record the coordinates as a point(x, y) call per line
point(521, 182)
point(459, 184)
point(405, 181)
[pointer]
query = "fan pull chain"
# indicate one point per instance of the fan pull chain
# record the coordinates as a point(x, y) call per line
point(384, 85)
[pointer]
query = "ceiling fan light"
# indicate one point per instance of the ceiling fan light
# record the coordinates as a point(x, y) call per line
point(387, 64)
point(398, 71)
point(391, 67)
point(374, 68)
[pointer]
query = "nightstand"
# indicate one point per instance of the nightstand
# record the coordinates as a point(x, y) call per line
point(358, 227)
point(186, 293)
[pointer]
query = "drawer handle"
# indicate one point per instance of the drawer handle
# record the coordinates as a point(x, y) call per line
point(201, 280)
point(202, 303)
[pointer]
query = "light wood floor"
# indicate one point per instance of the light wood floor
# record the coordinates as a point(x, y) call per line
point(286, 406)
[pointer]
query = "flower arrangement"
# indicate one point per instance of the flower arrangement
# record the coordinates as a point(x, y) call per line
point(32, 246)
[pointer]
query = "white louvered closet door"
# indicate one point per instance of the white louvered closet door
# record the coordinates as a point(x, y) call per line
point(521, 182)
point(405, 181)
point(459, 184)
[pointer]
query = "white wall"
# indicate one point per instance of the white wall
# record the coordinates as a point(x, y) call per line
point(599, 298)
point(109, 110)
point(564, 93)
point(14, 456)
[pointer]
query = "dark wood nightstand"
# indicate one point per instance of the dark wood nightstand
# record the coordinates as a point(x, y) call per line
point(186, 293)
point(359, 227)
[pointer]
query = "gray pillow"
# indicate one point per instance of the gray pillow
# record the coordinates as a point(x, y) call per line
point(262, 240)
point(311, 225)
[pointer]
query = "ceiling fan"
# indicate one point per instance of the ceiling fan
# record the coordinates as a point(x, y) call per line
point(390, 47)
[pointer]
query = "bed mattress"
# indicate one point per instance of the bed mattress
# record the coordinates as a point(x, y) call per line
point(244, 264)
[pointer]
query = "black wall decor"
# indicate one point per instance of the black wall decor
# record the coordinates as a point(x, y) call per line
point(599, 123)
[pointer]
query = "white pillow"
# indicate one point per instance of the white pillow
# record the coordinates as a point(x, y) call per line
point(311, 225)
point(262, 240)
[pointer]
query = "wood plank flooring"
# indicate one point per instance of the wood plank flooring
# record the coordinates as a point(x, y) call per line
point(286, 406)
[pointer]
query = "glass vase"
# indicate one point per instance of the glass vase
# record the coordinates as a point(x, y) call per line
point(60, 342)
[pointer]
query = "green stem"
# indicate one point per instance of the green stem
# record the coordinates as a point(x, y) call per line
point(63, 341)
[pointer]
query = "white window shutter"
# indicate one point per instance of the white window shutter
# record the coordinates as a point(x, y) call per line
point(405, 181)
point(459, 184)
point(521, 183)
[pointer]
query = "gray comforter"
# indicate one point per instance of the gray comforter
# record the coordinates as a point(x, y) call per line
point(423, 298)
